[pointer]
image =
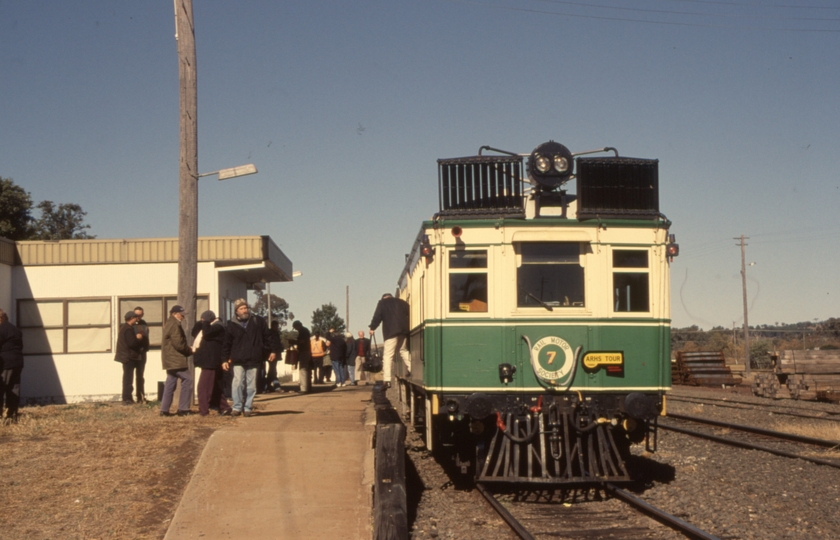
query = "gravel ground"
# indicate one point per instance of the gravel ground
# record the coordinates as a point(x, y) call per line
point(736, 493)
point(729, 492)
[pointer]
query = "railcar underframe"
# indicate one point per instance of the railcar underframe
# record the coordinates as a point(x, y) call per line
point(556, 439)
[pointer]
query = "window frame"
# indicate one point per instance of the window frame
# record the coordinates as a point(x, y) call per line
point(629, 270)
point(450, 271)
point(166, 301)
point(581, 263)
point(65, 326)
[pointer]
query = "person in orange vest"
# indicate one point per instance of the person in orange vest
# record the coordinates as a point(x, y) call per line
point(319, 350)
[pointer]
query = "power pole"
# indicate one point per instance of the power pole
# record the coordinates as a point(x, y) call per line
point(347, 309)
point(268, 301)
point(746, 319)
point(188, 172)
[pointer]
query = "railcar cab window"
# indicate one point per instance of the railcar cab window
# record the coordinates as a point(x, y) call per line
point(630, 281)
point(468, 281)
point(550, 274)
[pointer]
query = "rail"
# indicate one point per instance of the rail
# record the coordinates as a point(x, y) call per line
point(758, 431)
point(669, 520)
point(748, 446)
point(663, 517)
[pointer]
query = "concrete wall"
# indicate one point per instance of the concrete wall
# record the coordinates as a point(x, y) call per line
point(67, 378)
point(6, 302)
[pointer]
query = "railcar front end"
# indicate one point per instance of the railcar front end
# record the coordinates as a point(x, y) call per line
point(540, 319)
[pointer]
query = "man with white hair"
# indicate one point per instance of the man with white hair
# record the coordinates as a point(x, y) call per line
point(248, 341)
point(361, 350)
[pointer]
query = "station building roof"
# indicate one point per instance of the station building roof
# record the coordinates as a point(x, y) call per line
point(252, 259)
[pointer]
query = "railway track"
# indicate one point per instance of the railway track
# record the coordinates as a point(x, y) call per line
point(781, 410)
point(562, 521)
point(754, 438)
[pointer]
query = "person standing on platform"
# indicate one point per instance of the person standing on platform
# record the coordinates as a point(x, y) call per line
point(327, 367)
point(393, 314)
point(209, 333)
point(128, 353)
point(141, 327)
point(247, 340)
point(338, 352)
point(11, 366)
point(362, 351)
point(271, 377)
point(349, 358)
point(174, 353)
point(319, 350)
point(304, 348)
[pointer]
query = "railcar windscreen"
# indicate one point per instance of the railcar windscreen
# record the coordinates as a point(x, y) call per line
point(550, 274)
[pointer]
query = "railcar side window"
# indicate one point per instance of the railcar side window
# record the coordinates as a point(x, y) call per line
point(468, 281)
point(630, 280)
point(550, 275)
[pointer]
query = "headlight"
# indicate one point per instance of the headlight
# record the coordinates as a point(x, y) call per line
point(542, 163)
point(550, 165)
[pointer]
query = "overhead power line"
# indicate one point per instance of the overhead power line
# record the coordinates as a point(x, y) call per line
point(694, 13)
point(665, 13)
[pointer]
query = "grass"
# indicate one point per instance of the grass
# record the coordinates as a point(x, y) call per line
point(816, 429)
point(97, 470)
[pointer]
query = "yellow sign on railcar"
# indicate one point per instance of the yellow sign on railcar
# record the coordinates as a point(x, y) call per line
point(613, 361)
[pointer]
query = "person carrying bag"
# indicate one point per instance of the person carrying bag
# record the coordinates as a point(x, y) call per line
point(373, 363)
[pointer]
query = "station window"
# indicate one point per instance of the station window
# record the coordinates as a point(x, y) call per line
point(630, 281)
point(156, 311)
point(550, 274)
point(65, 326)
point(468, 281)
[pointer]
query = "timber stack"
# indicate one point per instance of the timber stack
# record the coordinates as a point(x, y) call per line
point(805, 375)
point(767, 384)
point(702, 368)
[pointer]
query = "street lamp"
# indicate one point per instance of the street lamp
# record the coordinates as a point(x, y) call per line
point(233, 172)
point(188, 241)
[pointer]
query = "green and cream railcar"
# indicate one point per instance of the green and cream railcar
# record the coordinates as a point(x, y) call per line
point(540, 340)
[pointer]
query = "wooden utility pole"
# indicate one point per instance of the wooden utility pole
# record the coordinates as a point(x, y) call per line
point(347, 309)
point(746, 319)
point(268, 302)
point(188, 173)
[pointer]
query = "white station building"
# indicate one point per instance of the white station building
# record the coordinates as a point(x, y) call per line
point(68, 298)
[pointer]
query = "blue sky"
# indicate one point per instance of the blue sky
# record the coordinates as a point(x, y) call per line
point(345, 106)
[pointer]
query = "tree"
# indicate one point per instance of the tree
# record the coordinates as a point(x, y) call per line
point(279, 308)
point(325, 318)
point(63, 222)
point(15, 203)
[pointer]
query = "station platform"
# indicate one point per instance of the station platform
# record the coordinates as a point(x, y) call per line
point(302, 467)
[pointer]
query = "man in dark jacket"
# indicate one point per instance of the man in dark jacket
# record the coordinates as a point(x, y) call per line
point(247, 340)
point(349, 358)
point(393, 314)
point(141, 327)
point(304, 348)
point(338, 352)
point(11, 365)
point(174, 352)
point(271, 381)
point(129, 345)
point(210, 336)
